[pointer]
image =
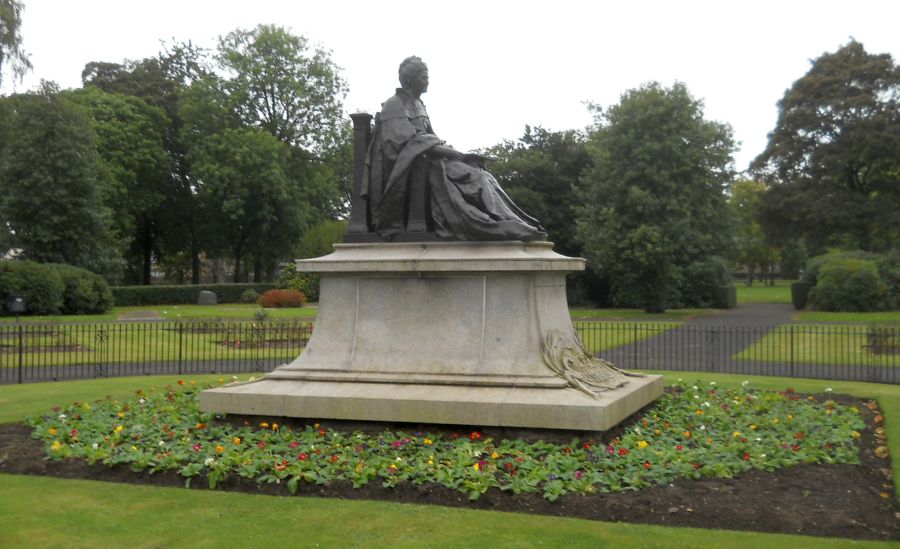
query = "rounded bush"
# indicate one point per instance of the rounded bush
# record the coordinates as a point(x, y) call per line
point(85, 292)
point(249, 296)
point(849, 285)
point(306, 283)
point(41, 286)
point(282, 298)
point(701, 282)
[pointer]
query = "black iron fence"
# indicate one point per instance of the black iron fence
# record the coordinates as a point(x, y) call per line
point(824, 351)
point(58, 351)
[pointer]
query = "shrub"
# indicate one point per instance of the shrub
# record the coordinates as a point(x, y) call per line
point(41, 286)
point(849, 285)
point(133, 296)
point(889, 271)
point(282, 298)
point(815, 264)
point(799, 294)
point(701, 283)
point(85, 292)
point(292, 279)
point(249, 296)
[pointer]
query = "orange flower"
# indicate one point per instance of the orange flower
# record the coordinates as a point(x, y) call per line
point(219, 448)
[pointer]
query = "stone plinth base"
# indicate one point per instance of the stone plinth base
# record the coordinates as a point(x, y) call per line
point(447, 333)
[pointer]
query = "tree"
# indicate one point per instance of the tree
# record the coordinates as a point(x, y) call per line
point(162, 82)
point(833, 159)
point(243, 175)
point(541, 173)
point(11, 52)
point(50, 181)
point(654, 200)
point(278, 84)
point(750, 246)
point(130, 141)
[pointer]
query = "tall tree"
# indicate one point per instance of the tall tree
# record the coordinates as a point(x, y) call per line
point(541, 172)
point(833, 159)
point(161, 82)
point(50, 184)
point(276, 82)
point(130, 140)
point(750, 246)
point(654, 199)
point(11, 52)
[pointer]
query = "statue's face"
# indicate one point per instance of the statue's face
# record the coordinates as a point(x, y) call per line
point(419, 81)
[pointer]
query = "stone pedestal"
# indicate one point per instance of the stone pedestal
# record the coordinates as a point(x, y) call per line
point(444, 332)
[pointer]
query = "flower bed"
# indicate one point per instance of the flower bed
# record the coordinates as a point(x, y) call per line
point(691, 432)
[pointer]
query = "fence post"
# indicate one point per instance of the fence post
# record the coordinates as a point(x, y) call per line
point(635, 346)
point(180, 333)
point(791, 362)
point(21, 328)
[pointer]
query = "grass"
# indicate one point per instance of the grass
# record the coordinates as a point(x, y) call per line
point(78, 513)
point(600, 336)
point(177, 312)
point(129, 343)
point(817, 344)
point(760, 293)
point(878, 317)
point(638, 315)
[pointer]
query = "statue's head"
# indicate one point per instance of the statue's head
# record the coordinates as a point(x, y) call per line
point(414, 74)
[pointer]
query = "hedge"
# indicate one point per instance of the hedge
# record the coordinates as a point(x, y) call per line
point(135, 296)
point(51, 289)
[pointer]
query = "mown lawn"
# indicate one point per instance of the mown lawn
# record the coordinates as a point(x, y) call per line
point(819, 344)
point(760, 293)
point(76, 513)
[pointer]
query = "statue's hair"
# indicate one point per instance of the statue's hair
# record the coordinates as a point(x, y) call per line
point(410, 66)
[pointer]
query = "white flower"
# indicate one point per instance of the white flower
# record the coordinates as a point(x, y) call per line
point(712, 382)
point(697, 397)
point(637, 430)
point(703, 427)
point(706, 404)
point(209, 462)
point(62, 416)
point(95, 446)
point(758, 439)
point(695, 387)
point(762, 455)
point(141, 401)
point(745, 383)
point(162, 443)
point(399, 459)
point(234, 378)
point(828, 389)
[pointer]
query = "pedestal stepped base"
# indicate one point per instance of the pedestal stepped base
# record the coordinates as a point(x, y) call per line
point(444, 332)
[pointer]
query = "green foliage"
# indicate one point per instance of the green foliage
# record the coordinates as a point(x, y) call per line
point(308, 283)
point(800, 294)
point(793, 258)
point(320, 239)
point(50, 184)
point(654, 200)
point(42, 287)
point(833, 158)
point(11, 52)
point(85, 292)
point(280, 85)
point(702, 281)
point(249, 296)
point(132, 296)
point(750, 246)
point(541, 172)
point(692, 432)
point(276, 299)
point(850, 285)
point(137, 182)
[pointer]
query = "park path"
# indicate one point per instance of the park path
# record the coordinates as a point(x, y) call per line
point(708, 343)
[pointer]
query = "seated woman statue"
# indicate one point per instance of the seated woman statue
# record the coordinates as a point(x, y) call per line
point(466, 202)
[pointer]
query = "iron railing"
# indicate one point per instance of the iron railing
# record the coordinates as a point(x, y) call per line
point(58, 351)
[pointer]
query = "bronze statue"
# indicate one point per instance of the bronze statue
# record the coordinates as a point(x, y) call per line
point(405, 160)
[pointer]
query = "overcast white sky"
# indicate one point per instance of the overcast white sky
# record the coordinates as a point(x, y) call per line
point(496, 66)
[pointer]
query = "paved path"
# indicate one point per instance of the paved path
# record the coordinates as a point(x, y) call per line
point(708, 343)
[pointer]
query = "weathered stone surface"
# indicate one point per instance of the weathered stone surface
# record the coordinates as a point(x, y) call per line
point(442, 333)
point(206, 297)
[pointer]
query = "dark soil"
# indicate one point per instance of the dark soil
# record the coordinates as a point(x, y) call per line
point(842, 501)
